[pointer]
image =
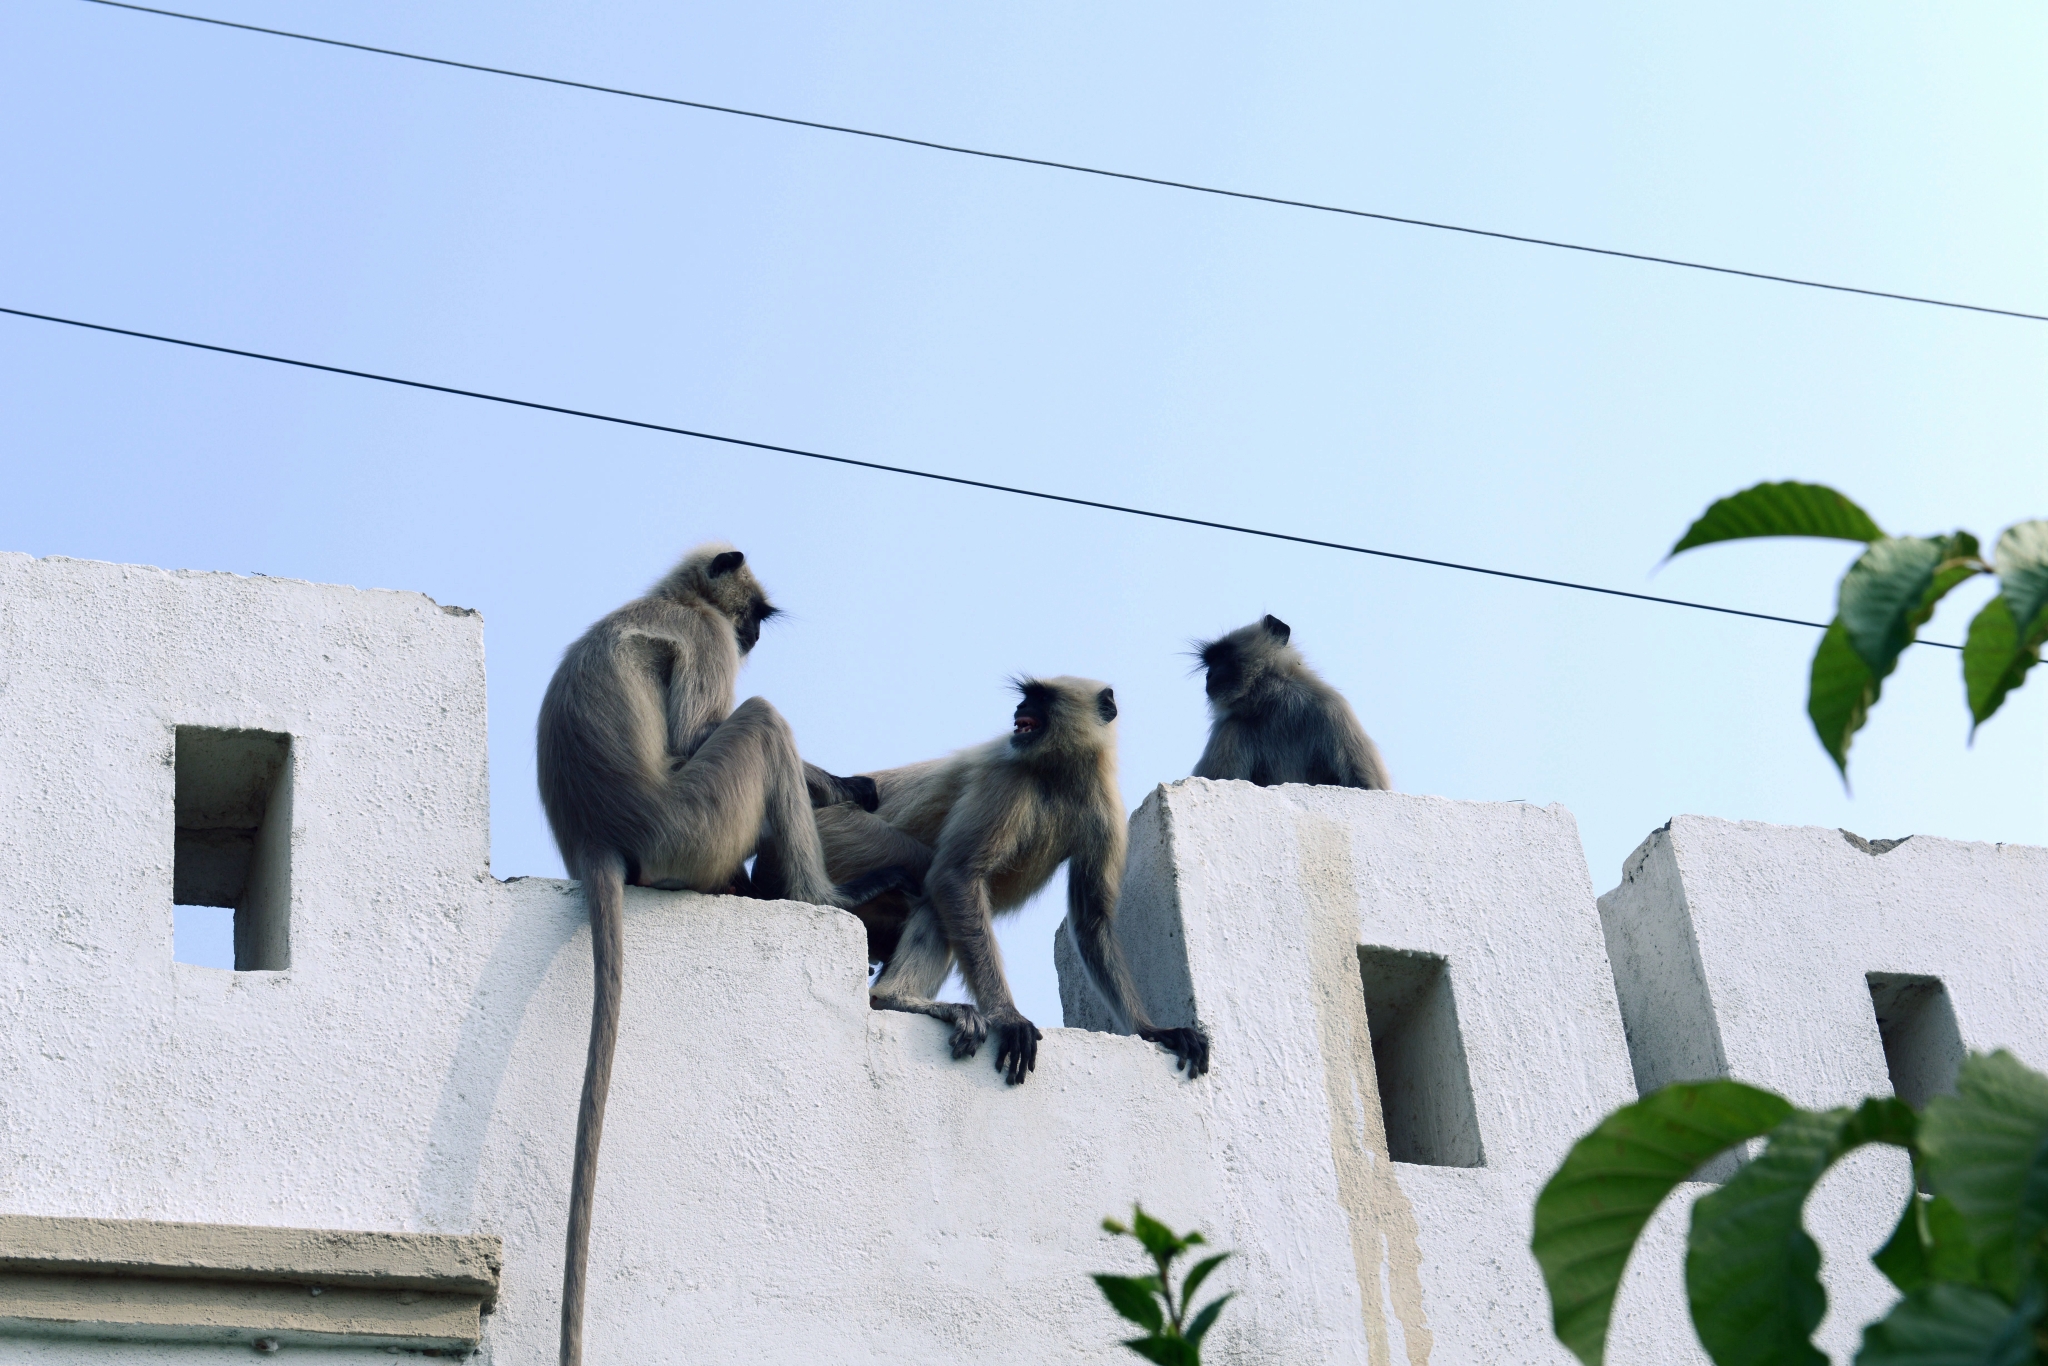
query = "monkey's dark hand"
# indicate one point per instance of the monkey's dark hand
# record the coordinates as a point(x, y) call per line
point(1189, 1046)
point(1016, 1045)
point(863, 791)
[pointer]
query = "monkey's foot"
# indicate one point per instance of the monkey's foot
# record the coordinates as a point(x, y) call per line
point(1189, 1046)
point(970, 1028)
point(1016, 1046)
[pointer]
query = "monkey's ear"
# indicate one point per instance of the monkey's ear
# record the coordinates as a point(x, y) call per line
point(1277, 628)
point(725, 562)
point(1105, 705)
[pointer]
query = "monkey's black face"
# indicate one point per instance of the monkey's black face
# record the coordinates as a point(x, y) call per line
point(1032, 714)
point(1053, 715)
point(748, 627)
point(1224, 670)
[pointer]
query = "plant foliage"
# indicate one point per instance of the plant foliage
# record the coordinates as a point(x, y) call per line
point(1589, 1216)
point(1786, 509)
point(1171, 1337)
point(1970, 1256)
point(1888, 594)
point(1750, 1268)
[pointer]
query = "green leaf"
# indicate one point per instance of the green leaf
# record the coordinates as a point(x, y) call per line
point(1930, 1244)
point(1786, 509)
point(1166, 1351)
point(2022, 559)
point(1590, 1213)
point(1994, 661)
point(1132, 1297)
point(1903, 1258)
point(1206, 1320)
point(1985, 1151)
point(1952, 1325)
point(1962, 564)
point(1886, 596)
point(1840, 694)
point(1891, 590)
point(1199, 1273)
point(1951, 1256)
point(1751, 1272)
point(1157, 1237)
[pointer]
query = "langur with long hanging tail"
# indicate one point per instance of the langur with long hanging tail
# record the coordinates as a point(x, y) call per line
point(986, 828)
point(651, 776)
point(1274, 721)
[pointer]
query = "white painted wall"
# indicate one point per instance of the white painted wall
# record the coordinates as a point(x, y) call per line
point(790, 1177)
point(1753, 944)
point(1274, 891)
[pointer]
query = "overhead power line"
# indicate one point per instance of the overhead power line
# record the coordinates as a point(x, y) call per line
point(1075, 167)
point(913, 473)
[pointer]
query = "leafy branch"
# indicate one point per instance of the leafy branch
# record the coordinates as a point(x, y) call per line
point(1970, 1259)
point(1888, 594)
point(1171, 1338)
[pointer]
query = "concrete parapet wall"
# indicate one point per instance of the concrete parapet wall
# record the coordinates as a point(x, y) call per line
point(1346, 945)
point(1411, 1001)
point(1829, 967)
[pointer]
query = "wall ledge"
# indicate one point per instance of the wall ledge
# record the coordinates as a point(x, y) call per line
point(141, 1280)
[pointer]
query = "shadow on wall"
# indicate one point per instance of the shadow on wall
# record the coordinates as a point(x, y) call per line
point(541, 917)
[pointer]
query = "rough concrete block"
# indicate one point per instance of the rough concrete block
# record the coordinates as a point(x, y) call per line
point(1828, 967)
point(1766, 953)
point(1390, 967)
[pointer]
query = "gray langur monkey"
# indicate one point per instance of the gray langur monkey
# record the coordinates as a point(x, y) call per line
point(987, 827)
point(1274, 721)
point(651, 776)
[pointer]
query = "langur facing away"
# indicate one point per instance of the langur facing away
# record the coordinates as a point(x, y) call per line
point(651, 776)
point(1274, 721)
point(994, 822)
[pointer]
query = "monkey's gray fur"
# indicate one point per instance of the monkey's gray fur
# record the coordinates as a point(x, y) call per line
point(994, 822)
point(650, 775)
point(1273, 721)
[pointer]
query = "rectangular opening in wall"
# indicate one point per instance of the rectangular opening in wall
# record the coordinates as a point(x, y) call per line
point(1922, 1047)
point(1419, 1055)
point(234, 845)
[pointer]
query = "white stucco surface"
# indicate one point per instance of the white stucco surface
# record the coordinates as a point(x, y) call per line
point(1254, 903)
point(1746, 950)
point(784, 1173)
point(788, 1176)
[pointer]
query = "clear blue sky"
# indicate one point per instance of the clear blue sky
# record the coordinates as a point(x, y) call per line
point(1445, 396)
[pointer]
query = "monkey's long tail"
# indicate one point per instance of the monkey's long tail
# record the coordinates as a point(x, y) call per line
point(604, 889)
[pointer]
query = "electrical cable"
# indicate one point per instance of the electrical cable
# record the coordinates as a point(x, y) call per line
point(1078, 169)
point(913, 473)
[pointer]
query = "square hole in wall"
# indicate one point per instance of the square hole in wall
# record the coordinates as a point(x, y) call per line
point(1419, 1055)
point(1923, 1049)
point(234, 844)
